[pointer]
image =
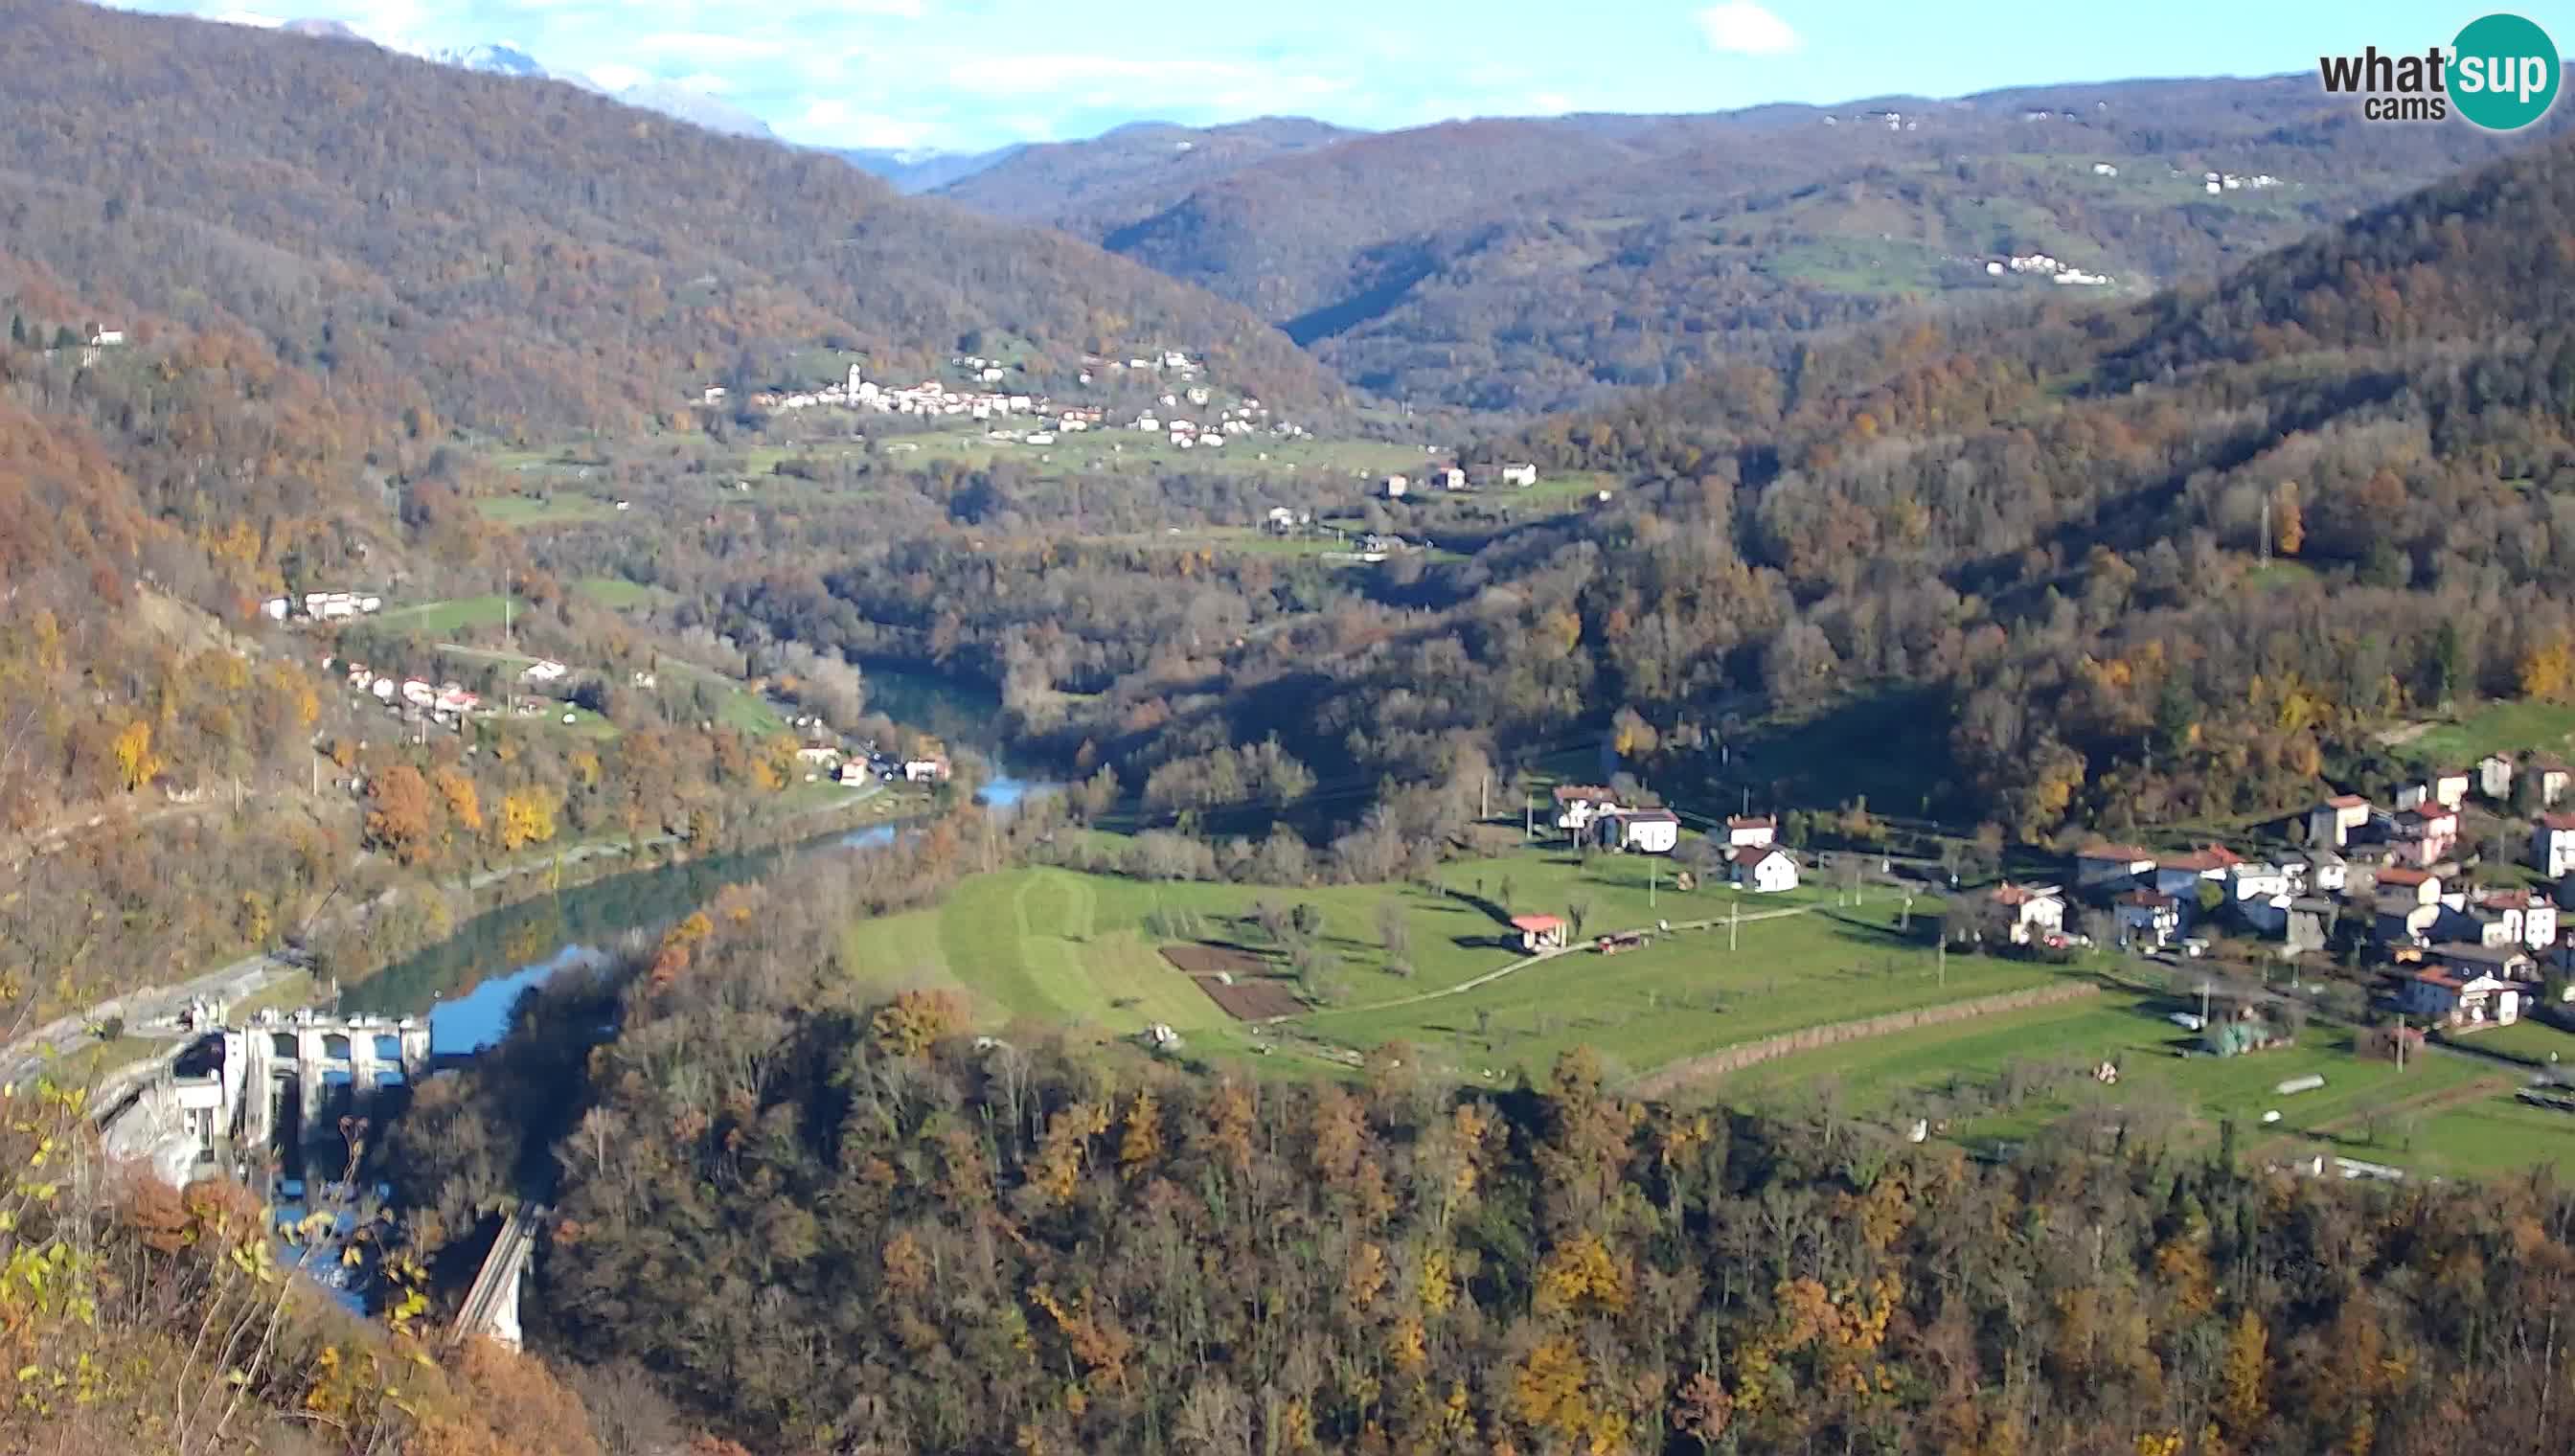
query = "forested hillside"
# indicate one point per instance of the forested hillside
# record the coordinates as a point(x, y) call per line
point(248, 354)
point(814, 1219)
point(1533, 264)
point(2048, 517)
point(526, 256)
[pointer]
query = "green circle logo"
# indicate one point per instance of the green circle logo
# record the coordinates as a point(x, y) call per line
point(2503, 72)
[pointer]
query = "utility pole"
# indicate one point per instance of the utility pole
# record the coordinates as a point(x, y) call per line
point(2203, 1004)
point(1944, 957)
point(2266, 530)
point(2400, 1042)
point(1483, 799)
point(1734, 920)
point(1649, 885)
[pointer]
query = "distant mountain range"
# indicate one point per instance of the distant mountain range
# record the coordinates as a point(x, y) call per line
point(1533, 264)
point(924, 171)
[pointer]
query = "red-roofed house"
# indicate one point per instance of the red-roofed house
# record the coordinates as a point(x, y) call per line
point(2333, 822)
point(2455, 998)
point(1539, 933)
point(2027, 910)
point(2425, 835)
point(1763, 869)
point(2398, 882)
point(2109, 864)
point(1744, 832)
point(2180, 874)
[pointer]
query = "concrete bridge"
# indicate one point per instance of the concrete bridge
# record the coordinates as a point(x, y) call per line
point(492, 1306)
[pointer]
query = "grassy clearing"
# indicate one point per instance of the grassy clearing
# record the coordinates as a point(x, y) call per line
point(2524, 1040)
point(2496, 728)
point(2361, 1111)
point(2485, 1136)
point(1071, 949)
point(289, 993)
point(1861, 265)
point(454, 615)
point(559, 510)
point(1685, 994)
point(619, 594)
point(2278, 574)
point(1129, 452)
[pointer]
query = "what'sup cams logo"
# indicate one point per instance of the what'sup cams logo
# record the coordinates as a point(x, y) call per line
point(2501, 72)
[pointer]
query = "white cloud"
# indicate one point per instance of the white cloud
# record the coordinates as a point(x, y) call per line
point(616, 77)
point(832, 123)
point(1552, 103)
point(1100, 80)
point(709, 82)
point(1740, 27)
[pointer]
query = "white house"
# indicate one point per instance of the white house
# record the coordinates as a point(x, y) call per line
point(545, 670)
point(2552, 844)
point(274, 609)
point(419, 693)
point(925, 771)
point(2452, 998)
point(2327, 872)
point(1519, 473)
point(2494, 777)
point(1644, 830)
point(1745, 831)
point(1447, 478)
point(2148, 917)
point(2553, 778)
point(1395, 486)
point(1577, 805)
point(2028, 910)
point(1764, 869)
point(2258, 879)
point(2450, 787)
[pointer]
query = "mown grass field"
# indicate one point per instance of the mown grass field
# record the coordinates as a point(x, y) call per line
point(2366, 1109)
point(1070, 948)
point(454, 614)
point(2495, 728)
point(1131, 452)
point(2486, 1136)
point(2527, 1040)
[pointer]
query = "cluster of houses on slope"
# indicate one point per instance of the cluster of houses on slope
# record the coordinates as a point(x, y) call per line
point(321, 605)
point(2469, 955)
point(928, 398)
point(2041, 266)
point(932, 399)
point(447, 702)
point(1589, 813)
point(1520, 475)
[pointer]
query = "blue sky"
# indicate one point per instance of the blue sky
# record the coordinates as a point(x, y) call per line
point(968, 74)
